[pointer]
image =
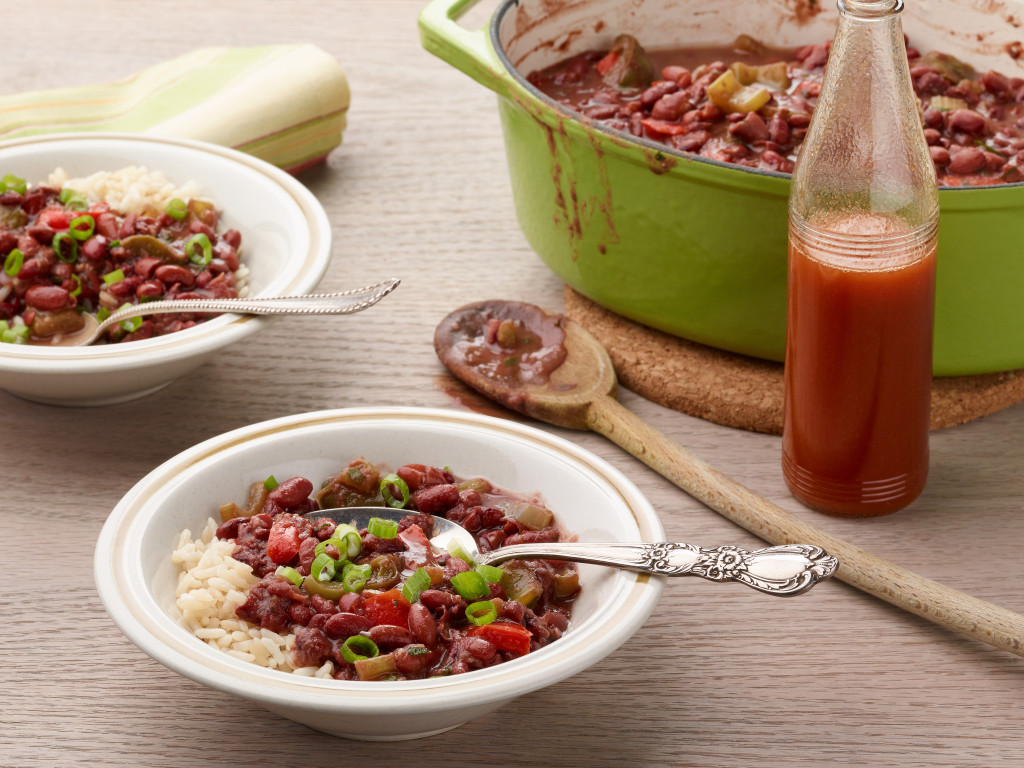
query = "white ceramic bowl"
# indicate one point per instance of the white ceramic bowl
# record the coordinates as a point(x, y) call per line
point(136, 578)
point(286, 244)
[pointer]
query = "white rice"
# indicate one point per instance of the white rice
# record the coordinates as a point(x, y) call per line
point(211, 584)
point(133, 189)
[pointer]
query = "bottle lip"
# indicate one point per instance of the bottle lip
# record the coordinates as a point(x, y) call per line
point(870, 9)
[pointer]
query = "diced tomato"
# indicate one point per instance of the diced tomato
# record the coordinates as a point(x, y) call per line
point(283, 543)
point(55, 218)
point(505, 636)
point(607, 62)
point(418, 544)
point(389, 607)
point(660, 126)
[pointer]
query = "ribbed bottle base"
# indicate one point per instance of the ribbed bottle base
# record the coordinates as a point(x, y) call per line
point(866, 498)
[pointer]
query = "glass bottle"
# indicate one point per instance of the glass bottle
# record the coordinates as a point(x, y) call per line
point(863, 218)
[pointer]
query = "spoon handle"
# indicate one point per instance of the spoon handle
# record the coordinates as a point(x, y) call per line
point(784, 571)
point(338, 303)
point(896, 585)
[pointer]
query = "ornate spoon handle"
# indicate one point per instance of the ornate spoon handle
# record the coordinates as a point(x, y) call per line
point(339, 303)
point(784, 570)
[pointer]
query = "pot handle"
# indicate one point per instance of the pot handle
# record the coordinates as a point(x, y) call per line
point(467, 50)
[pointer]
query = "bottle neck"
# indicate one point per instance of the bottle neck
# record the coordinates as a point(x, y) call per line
point(870, 9)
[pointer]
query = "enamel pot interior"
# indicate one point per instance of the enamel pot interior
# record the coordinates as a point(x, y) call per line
point(697, 248)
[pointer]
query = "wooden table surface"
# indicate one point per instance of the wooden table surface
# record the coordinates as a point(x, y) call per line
point(718, 676)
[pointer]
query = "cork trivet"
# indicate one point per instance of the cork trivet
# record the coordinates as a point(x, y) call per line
point(745, 392)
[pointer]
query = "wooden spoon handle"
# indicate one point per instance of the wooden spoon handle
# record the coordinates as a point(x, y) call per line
point(905, 589)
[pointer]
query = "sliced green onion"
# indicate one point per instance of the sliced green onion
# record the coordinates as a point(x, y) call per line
point(403, 488)
point(202, 254)
point(68, 253)
point(481, 613)
point(354, 577)
point(358, 647)
point(491, 574)
point(289, 573)
point(13, 183)
point(348, 547)
point(14, 262)
point(113, 277)
point(176, 209)
point(415, 584)
point(102, 314)
point(17, 334)
point(324, 567)
point(456, 550)
point(384, 529)
point(132, 324)
point(78, 286)
point(270, 483)
point(4, 325)
point(350, 536)
point(470, 585)
point(74, 200)
point(82, 227)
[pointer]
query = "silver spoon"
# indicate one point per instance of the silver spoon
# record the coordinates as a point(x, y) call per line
point(339, 303)
point(785, 570)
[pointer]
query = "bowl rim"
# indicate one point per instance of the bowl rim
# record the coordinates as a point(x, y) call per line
point(624, 140)
point(145, 623)
point(216, 332)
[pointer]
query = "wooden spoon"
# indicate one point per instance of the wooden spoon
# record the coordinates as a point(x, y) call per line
point(550, 368)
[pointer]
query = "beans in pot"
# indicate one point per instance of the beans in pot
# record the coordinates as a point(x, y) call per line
point(749, 104)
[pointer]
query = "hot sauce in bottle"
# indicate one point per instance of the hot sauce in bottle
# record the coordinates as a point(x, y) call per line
point(863, 218)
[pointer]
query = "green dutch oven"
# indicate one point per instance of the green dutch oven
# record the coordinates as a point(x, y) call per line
point(695, 247)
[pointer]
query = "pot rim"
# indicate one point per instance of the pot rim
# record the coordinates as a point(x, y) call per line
point(589, 125)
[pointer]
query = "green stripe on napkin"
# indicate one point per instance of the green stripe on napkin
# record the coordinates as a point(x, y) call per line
point(283, 103)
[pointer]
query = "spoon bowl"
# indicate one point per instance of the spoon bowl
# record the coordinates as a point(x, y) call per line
point(784, 571)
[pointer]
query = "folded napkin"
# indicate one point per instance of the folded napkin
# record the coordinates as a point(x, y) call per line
point(283, 103)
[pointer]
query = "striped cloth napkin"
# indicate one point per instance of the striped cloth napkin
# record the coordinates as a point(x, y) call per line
point(285, 104)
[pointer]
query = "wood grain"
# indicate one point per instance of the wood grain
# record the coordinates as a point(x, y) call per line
point(719, 676)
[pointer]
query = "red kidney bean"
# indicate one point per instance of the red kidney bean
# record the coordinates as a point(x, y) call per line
point(994, 162)
point(436, 598)
point(127, 228)
point(966, 120)
point(778, 129)
point(657, 91)
point(601, 111)
point(670, 107)
point(347, 624)
point(323, 606)
point(422, 624)
point(28, 245)
point(307, 553)
point(229, 528)
point(681, 76)
point(41, 233)
point(291, 492)
point(62, 270)
point(479, 648)
point(799, 120)
point(490, 540)
point(300, 613)
point(940, 155)
point(390, 636)
point(436, 499)
point(150, 289)
point(47, 298)
point(413, 659)
point(95, 248)
point(174, 273)
point(963, 160)
point(8, 241)
point(932, 136)
point(350, 602)
point(752, 128)
point(691, 142)
point(996, 83)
